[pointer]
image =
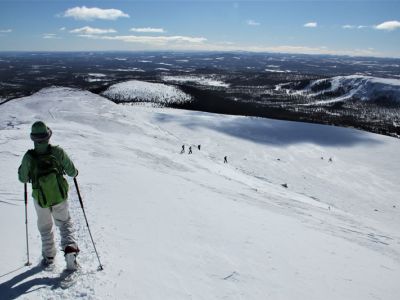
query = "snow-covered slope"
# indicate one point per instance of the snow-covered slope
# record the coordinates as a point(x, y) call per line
point(142, 91)
point(178, 226)
point(365, 88)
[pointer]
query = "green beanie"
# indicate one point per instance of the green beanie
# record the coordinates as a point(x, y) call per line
point(40, 132)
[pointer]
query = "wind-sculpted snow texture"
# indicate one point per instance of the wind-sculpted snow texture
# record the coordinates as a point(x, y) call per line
point(179, 226)
point(141, 91)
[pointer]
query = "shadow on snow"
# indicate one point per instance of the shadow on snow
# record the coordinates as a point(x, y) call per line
point(19, 285)
point(273, 132)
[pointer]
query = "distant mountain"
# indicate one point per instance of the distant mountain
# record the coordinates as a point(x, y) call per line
point(355, 87)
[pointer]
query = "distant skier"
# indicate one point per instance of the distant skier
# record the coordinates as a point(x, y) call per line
point(44, 167)
point(190, 150)
point(183, 149)
point(199, 146)
point(330, 159)
point(225, 160)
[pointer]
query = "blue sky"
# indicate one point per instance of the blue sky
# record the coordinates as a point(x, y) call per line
point(360, 27)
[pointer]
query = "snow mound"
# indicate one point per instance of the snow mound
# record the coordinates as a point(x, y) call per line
point(200, 80)
point(358, 87)
point(141, 91)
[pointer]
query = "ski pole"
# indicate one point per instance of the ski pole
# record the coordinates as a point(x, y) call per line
point(87, 224)
point(26, 224)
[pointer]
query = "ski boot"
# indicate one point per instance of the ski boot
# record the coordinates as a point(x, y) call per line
point(47, 261)
point(70, 254)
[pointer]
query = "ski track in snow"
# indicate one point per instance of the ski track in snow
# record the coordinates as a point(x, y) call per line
point(178, 226)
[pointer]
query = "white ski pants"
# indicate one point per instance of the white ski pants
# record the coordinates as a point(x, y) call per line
point(60, 214)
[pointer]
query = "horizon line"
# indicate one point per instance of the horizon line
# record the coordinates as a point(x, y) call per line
point(200, 51)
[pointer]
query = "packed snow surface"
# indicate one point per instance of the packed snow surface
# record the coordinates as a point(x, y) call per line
point(179, 226)
point(142, 91)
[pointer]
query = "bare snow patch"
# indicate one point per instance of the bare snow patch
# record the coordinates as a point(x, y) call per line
point(201, 80)
point(97, 75)
point(94, 77)
point(165, 64)
point(128, 70)
point(277, 71)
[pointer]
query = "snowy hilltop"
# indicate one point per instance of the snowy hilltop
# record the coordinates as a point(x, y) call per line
point(355, 87)
point(142, 91)
point(300, 211)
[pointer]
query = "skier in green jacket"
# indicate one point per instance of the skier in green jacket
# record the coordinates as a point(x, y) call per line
point(44, 167)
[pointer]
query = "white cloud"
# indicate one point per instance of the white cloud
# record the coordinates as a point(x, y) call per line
point(91, 30)
point(63, 28)
point(311, 25)
point(5, 30)
point(148, 30)
point(252, 23)
point(50, 36)
point(153, 40)
point(388, 26)
point(92, 13)
point(354, 26)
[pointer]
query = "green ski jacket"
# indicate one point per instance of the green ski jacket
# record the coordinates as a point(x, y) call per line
point(24, 171)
